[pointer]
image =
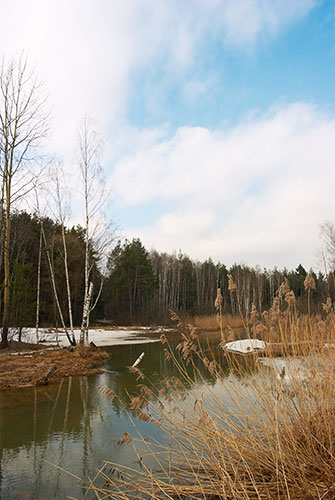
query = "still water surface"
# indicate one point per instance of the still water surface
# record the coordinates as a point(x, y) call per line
point(71, 425)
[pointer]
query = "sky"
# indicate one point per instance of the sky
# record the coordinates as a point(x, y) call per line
point(218, 116)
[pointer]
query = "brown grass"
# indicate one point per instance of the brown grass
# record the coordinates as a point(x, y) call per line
point(211, 322)
point(27, 371)
point(268, 435)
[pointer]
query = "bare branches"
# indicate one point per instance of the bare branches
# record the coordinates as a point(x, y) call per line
point(23, 120)
point(95, 198)
point(23, 123)
point(93, 187)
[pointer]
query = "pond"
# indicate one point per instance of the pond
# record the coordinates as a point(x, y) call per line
point(69, 426)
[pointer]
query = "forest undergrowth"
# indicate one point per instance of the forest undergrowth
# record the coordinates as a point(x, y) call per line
point(235, 430)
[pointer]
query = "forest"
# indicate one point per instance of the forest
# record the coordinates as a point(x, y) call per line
point(140, 286)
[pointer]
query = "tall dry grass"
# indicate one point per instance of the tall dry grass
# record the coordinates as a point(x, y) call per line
point(268, 434)
point(211, 322)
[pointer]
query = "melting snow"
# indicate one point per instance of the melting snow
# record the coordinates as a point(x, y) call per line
point(288, 369)
point(100, 337)
point(245, 346)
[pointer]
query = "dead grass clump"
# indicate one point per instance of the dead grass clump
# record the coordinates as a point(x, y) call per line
point(266, 434)
point(26, 371)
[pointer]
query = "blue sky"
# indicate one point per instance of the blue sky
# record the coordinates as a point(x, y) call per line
point(218, 116)
point(298, 63)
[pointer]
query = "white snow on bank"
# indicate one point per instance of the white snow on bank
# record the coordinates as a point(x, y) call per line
point(293, 369)
point(245, 346)
point(100, 337)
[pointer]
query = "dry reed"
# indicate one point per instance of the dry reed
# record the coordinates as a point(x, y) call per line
point(269, 434)
point(210, 323)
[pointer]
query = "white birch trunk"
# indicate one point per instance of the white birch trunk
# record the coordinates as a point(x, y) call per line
point(56, 176)
point(86, 316)
point(52, 275)
point(68, 289)
point(94, 197)
point(87, 297)
point(38, 287)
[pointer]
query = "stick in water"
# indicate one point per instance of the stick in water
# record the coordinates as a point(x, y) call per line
point(139, 359)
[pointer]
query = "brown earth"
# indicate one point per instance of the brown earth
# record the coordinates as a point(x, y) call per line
point(40, 364)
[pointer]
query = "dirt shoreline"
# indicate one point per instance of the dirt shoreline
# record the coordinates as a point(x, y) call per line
point(41, 365)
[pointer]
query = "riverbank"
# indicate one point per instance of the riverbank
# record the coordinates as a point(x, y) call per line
point(42, 364)
point(101, 337)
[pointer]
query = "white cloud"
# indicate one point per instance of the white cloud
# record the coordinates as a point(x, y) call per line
point(246, 20)
point(87, 51)
point(255, 194)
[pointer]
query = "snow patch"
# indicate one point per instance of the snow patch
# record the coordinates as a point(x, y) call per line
point(288, 369)
point(245, 346)
point(100, 337)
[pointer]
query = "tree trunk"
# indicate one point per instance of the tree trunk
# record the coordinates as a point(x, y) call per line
point(86, 315)
point(23, 124)
point(68, 290)
point(52, 275)
point(38, 287)
point(5, 317)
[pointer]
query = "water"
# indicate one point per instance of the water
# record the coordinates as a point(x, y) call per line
point(69, 426)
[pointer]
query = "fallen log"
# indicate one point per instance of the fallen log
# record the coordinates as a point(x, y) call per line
point(45, 378)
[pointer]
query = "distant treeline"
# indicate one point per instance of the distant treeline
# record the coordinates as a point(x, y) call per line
point(140, 286)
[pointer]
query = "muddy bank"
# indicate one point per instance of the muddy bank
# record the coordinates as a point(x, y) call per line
point(42, 365)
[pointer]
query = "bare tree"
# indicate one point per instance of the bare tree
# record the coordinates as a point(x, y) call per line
point(53, 282)
point(62, 210)
point(95, 197)
point(48, 250)
point(2, 226)
point(23, 123)
point(38, 291)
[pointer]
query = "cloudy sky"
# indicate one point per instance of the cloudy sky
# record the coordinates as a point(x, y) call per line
point(218, 116)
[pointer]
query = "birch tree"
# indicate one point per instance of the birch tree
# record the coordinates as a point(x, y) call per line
point(62, 209)
point(38, 287)
point(23, 124)
point(48, 249)
point(53, 282)
point(95, 197)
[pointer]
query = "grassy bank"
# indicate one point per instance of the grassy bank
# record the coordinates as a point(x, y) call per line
point(17, 371)
point(271, 437)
